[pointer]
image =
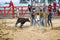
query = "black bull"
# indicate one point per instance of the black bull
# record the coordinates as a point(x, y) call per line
point(22, 21)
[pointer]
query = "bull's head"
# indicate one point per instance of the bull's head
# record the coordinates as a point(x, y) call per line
point(27, 19)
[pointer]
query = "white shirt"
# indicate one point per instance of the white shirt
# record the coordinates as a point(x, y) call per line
point(37, 17)
point(17, 13)
point(59, 9)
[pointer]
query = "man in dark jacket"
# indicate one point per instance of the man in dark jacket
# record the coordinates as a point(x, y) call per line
point(50, 19)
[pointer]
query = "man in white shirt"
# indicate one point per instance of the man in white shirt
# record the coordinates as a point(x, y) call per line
point(37, 18)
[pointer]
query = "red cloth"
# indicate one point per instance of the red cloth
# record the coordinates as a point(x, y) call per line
point(11, 4)
point(54, 4)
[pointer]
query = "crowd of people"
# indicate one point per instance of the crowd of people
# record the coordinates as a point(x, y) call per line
point(48, 11)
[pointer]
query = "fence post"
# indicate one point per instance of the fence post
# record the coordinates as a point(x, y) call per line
point(13, 12)
point(4, 14)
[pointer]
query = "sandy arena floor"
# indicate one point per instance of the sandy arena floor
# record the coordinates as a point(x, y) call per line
point(30, 32)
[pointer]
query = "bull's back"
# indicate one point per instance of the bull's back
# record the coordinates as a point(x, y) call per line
point(21, 20)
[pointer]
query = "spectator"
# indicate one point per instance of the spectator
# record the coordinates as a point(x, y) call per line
point(50, 7)
point(11, 4)
point(44, 7)
point(37, 17)
point(29, 8)
point(50, 18)
point(33, 16)
point(54, 6)
point(41, 17)
point(59, 2)
point(17, 13)
point(59, 11)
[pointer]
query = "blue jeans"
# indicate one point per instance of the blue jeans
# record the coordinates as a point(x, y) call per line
point(33, 21)
point(42, 21)
point(50, 21)
point(37, 22)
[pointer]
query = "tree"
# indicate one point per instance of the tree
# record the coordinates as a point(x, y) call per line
point(23, 1)
point(51, 1)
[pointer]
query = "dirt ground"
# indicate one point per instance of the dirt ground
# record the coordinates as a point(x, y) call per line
point(29, 32)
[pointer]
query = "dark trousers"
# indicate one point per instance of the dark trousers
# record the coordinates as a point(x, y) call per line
point(50, 21)
point(58, 13)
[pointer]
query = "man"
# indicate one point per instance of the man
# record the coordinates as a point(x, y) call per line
point(54, 5)
point(58, 11)
point(50, 7)
point(29, 8)
point(59, 2)
point(32, 14)
point(41, 17)
point(17, 13)
point(50, 15)
point(33, 17)
point(11, 5)
point(50, 19)
point(37, 18)
point(44, 7)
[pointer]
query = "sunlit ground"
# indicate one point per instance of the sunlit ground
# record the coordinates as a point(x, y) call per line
point(8, 31)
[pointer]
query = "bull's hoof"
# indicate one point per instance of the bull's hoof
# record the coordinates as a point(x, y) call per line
point(15, 26)
point(21, 27)
point(52, 28)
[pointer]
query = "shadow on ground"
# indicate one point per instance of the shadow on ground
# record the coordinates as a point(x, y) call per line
point(58, 39)
point(56, 28)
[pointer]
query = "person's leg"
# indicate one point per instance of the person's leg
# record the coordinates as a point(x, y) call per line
point(51, 22)
point(48, 22)
point(59, 13)
point(33, 21)
point(37, 22)
point(42, 21)
point(55, 11)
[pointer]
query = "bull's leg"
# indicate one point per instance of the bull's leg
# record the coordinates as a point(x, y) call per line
point(16, 24)
point(21, 25)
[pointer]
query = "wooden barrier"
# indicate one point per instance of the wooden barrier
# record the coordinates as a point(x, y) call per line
point(5, 11)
